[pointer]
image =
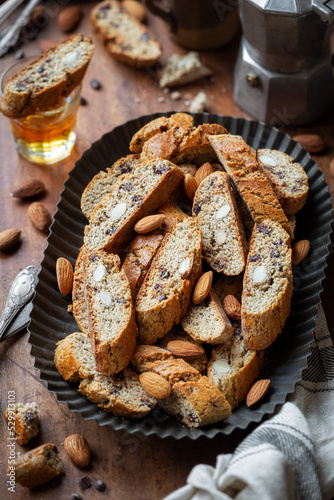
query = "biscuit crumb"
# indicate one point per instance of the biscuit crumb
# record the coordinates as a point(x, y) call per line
point(199, 103)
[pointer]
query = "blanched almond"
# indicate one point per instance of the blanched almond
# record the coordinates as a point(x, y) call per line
point(203, 287)
point(155, 385)
point(184, 349)
point(149, 223)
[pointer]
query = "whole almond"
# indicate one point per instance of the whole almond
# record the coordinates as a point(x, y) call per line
point(203, 287)
point(39, 216)
point(64, 271)
point(77, 449)
point(9, 238)
point(47, 44)
point(203, 171)
point(299, 251)
point(257, 391)
point(29, 189)
point(136, 9)
point(232, 307)
point(149, 223)
point(190, 186)
point(184, 349)
point(155, 385)
point(69, 18)
point(312, 143)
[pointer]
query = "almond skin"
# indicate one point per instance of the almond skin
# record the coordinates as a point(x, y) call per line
point(184, 349)
point(203, 171)
point(9, 238)
point(39, 216)
point(149, 223)
point(29, 189)
point(190, 186)
point(299, 251)
point(64, 271)
point(232, 307)
point(155, 385)
point(203, 287)
point(257, 391)
point(136, 9)
point(69, 18)
point(77, 449)
point(312, 143)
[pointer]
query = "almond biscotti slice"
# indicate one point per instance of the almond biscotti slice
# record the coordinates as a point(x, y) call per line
point(173, 215)
point(102, 183)
point(208, 322)
point(126, 38)
point(199, 363)
point(267, 287)
point(179, 121)
point(74, 357)
point(233, 369)
point(196, 403)
point(79, 302)
point(121, 394)
point(165, 294)
point(217, 214)
point(25, 418)
point(239, 161)
point(112, 324)
point(48, 79)
point(288, 179)
point(133, 196)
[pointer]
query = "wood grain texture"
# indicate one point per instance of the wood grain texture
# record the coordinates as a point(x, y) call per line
point(132, 466)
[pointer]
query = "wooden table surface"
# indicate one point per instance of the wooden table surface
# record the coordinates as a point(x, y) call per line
point(132, 466)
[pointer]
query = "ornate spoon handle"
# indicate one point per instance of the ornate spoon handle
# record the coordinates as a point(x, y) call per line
point(21, 291)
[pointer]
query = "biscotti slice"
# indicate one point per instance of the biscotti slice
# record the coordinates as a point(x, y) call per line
point(48, 79)
point(183, 69)
point(229, 285)
point(126, 38)
point(161, 124)
point(217, 214)
point(199, 363)
point(102, 183)
point(146, 355)
point(208, 322)
point(74, 357)
point(111, 313)
point(139, 258)
point(288, 179)
point(165, 294)
point(267, 287)
point(233, 369)
point(239, 161)
point(292, 224)
point(196, 403)
point(37, 466)
point(25, 418)
point(121, 394)
point(133, 196)
point(79, 302)
point(173, 215)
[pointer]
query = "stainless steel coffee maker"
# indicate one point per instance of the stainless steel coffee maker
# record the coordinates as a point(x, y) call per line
point(284, 72)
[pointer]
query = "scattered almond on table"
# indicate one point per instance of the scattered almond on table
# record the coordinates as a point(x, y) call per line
point(69, 18)
point(29, 189)
point(77, 448)
point(39, 216)
point(312, 143)
point(9, 238)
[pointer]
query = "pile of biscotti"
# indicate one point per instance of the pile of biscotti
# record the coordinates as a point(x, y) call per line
point(187, 197)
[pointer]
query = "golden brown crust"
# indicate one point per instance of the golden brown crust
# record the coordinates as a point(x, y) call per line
point(73, 357)
point(240, 162)
point(37, 466)
point(21, 104)
point(25, 419)
point(266, 305)
point(173, 215)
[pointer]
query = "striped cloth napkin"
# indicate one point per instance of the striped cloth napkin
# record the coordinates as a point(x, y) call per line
point(288, 457)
